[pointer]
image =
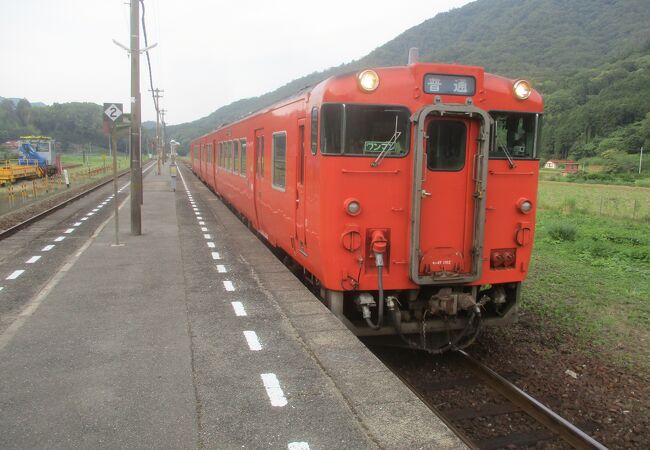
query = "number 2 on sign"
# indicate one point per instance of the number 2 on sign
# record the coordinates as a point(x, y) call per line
point(112, 112)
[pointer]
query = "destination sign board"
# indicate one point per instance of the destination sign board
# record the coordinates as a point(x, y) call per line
point(449, 84)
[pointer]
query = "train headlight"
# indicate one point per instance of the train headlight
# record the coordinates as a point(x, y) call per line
point(522, 89)
point(352, 207)
point(525, 206)
point(368, 80)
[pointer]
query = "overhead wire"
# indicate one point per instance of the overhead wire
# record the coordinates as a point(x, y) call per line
point(146, 44)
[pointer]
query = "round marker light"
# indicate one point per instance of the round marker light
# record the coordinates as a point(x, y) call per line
point(525, 206)
point(352, 207)
point(522, 89)
point(368, 80)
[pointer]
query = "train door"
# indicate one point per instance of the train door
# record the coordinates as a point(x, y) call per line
point(258, 178)
point(446, 197)
point(300, 189)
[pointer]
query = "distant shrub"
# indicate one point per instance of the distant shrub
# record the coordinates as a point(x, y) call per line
point(563, 231)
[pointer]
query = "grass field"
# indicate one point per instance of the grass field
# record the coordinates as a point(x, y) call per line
point(591, 272)
point(606, 200)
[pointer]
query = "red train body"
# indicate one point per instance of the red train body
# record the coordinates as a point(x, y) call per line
point(430, 169)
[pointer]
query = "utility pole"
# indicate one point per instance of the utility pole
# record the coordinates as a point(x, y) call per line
point(640, 160)
point(156, 93)
point(136, 169)
point(162, 114)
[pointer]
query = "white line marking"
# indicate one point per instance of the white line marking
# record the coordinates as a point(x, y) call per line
point(229, 286)
point(253, 341)
point(95, 210)
point(201, 222)
point(273, 389)
point(59, 239)
point(90, 214)
point(204, 229)
point(1, 288)
point(239, 309)
point(199, 217)
point(221, 268)
point(76, 224)
point(47, 248)
point(207, 236)
point(211, 244)
point(69, 230)
point(15, 274)
point(83, 219)
point(33, 259)
point(8, 334)
point(216, 255)
point(298, 446)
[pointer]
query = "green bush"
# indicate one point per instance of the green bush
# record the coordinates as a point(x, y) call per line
point(563, 231)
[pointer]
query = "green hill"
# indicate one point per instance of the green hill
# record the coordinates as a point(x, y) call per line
point(570, 50)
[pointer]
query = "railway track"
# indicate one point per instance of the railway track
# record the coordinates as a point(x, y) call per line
point(494, 420)
point(41, 214)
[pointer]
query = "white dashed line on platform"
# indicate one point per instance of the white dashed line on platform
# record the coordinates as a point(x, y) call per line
point(69, 230)
point(90, 214)
point(76, 224)
point(204, 229)
point(216, 255)
point(229, 286)
point(207, 236)
point(33, 259)
point(83, 219)
point(199, 217)
point(201, 222)
point(239, 309)
point(47, 248)
point(298, 446)
point(221, 268)
point(211, 245)
point(15, 274)
point(95, 210)
point(273, 389)
point(252, 341)
point(59, 239)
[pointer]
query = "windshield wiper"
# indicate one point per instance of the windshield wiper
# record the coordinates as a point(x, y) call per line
point(509, 156)
point(389, 144)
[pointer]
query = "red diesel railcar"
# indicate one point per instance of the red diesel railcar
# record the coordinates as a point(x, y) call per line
point(406, 194)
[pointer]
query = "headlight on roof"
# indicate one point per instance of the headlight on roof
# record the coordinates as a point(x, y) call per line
point(522, 89)
point(368, 80)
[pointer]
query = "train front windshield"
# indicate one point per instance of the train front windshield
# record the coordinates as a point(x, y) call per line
point(515, 135)
point(365, 130)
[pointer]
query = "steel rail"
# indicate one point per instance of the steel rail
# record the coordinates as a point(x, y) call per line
point(35, 218)
point(538, 411)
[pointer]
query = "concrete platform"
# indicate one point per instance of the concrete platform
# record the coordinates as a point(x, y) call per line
point(194, 336)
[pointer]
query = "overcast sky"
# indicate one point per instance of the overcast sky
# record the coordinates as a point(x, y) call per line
point(209, 54)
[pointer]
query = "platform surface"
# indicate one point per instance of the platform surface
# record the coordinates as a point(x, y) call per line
point(193, 335)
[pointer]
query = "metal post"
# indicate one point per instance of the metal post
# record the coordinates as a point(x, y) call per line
point(115, 202)
point(136, 170)
point(640, 160)
point(162, 120)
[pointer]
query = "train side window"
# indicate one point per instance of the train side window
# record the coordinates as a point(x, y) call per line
point(242, 161)
point(235, 165)
point(279, 159)
point(331, 130)
point(262, 155)
point(314, 130)
point(229, 156)
point(220, 154)
point(446, 145)
point(301, 154)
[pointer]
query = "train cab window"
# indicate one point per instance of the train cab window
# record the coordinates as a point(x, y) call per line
point(235, 160)
point(515, 135)
point(279, 159)
point(446, 145)
point(314, 130)
point(365, 130)
point(242, 161)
